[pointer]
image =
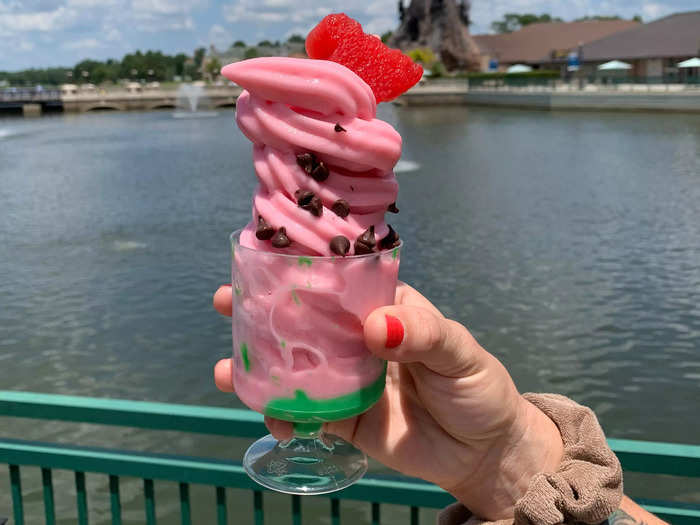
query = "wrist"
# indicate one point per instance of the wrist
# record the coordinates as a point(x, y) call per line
point(531, 445)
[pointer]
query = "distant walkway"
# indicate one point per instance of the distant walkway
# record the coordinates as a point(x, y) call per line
point(626, 97)
point(146, 100)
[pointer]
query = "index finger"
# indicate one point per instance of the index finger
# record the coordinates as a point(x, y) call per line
point(409, 296)
point(223, 300)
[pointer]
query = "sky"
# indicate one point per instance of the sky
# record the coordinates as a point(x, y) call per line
point(43, 33)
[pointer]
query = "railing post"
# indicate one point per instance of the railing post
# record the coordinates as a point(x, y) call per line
point(81, 498)
point(114, 500)
point(150, 497)
point(335, 511)
point(49, 509)
point(415, 515)
point(16, 482)
point(258, 507)
point(221, 505)
point(296, 510)
point(185, 517)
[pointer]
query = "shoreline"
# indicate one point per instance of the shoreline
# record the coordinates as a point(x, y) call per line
point(632, 98)
point(552, 100)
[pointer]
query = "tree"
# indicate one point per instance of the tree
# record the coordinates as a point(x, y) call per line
point(598, 17)
point(423, 55)
point(239, 43)
point(514, 21)
point(179, 64)
point(386, 36)
point(151, 65)
point(199, 56)
point(251, 52)
point(296, 39)
point(265, 43)
point(213, 67)
point(637, 18)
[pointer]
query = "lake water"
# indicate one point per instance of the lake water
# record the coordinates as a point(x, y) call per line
point(569, 243)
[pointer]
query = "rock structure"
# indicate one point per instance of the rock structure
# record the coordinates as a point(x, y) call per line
point(441, 25)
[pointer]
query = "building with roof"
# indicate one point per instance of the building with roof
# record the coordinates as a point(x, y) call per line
point(653, 49)
point(544, 45)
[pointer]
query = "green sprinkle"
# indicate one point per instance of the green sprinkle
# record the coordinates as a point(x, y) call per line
point(238, 291)
point(395, 253)
point(305, 261)
point(308, 284)
point(296, 297)
point(283, 343)
point(275, 380)
point(244, 355)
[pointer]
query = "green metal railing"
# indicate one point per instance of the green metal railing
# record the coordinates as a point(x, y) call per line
point(638, 456)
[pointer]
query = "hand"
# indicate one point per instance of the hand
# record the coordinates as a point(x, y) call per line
point(450, 414)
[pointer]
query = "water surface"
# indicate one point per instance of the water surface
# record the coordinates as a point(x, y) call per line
point(569, 243)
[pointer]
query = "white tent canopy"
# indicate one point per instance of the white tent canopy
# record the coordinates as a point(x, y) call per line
point(518, 68)
point(614, 65)
point(691, 62)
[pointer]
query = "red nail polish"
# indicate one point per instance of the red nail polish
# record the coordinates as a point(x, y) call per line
point(227, 284)
point(394, 332)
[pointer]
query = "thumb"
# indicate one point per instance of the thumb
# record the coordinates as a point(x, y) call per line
point(411, 334)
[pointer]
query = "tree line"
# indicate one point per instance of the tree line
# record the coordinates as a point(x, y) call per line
point(514, 21)
point(148, 66)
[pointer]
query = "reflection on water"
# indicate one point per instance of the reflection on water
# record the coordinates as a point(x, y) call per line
point(569, 243)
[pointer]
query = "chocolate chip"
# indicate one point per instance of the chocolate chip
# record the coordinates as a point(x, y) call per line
point(340, 245)
point(280, 239)
point(366, 242)
point(392, 208)
point(391, 240)
point(307, 161)
point(264, 231)
point(303, 197)
point(352, 188)
point(309, 201)
point(341, 208)
point(338, 128)
point(320, 172)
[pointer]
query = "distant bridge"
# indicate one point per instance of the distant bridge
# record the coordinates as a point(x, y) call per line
point(81, 102)
point(30, 100)
point(34, 101)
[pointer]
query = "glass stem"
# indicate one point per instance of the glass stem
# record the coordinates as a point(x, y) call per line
point(307, 430)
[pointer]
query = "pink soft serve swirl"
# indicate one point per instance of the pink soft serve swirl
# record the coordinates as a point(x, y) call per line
point(291, 106)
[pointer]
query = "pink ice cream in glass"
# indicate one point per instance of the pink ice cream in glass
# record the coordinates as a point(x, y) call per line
point(315, 259)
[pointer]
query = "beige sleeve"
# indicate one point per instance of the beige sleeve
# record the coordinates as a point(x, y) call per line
point(586, 488)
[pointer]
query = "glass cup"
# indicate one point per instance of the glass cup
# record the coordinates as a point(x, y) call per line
point(299, 355)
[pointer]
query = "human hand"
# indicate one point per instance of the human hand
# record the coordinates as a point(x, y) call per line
point(450, 413)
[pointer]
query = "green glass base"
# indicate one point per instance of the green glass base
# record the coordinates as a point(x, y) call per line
point(302, 409)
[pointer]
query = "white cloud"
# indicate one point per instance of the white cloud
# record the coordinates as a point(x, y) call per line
point(38, 21)
point(161, 7)
point(277, 3)
point(113, 35)
point(83, 43)
point(164, 15)
point(220, 37)
point(275, 11)
point(25, 45)
point(88, 4)
point(380, 25)
point(651, 10)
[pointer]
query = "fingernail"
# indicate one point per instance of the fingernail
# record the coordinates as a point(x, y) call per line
point(394, 331)
point(227, 284)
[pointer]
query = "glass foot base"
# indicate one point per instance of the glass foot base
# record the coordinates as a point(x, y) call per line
point(314, 465)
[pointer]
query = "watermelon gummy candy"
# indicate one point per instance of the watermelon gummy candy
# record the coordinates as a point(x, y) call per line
point(387, 71)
